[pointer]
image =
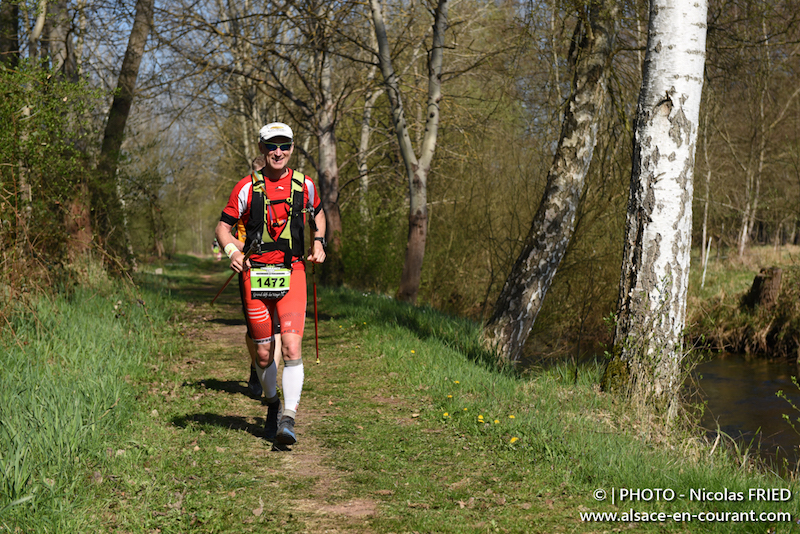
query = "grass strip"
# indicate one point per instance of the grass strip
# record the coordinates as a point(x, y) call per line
point(69, 365)
point(405, 426)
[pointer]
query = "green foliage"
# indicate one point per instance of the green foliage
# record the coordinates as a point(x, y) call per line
point(65, 390)
point(47, 138)
point(373, 250)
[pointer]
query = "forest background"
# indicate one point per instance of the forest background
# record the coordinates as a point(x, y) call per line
point(211, 74)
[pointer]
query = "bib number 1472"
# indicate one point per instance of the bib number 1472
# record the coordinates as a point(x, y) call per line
point(269, 283)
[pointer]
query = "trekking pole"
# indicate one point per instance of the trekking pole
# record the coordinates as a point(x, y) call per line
point(247, 255)
point(314, 282)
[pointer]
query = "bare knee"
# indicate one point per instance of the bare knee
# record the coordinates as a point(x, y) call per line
point(264, 354)
point(290, 346)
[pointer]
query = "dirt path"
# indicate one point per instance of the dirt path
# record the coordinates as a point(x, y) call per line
point(218, 364)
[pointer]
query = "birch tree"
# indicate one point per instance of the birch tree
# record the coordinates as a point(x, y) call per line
point(648, 347)
point(417, 169)
point(532, 274)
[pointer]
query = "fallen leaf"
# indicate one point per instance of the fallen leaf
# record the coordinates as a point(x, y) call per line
point(260, 510)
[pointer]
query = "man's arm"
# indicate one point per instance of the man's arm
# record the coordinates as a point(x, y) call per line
point(316, 253)
point(225, 238)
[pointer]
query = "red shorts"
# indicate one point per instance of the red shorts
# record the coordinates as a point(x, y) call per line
point(290, 310)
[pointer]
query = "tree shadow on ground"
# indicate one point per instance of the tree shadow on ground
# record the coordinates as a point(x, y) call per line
point(424, 322)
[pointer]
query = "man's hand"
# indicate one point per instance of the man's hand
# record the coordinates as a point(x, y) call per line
point(316, 253)
point(239, 263)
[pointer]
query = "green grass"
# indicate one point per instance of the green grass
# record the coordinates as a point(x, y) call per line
point(405, 415)
point(67, 388)
point(563, 442)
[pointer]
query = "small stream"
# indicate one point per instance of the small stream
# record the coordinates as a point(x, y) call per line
point(741, 398)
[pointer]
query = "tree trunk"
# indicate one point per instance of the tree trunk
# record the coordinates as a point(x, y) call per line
point(648, 347)
point(765, 289)
point(9, 34)
point(120, 109)
point(329, 174)
point(36, 31)
point(63, 61)
point(416, 169)
point(60, 41)
point(370, 97)
point(532, 274)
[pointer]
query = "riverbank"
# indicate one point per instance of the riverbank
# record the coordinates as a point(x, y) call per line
point(721, 318)
point(403, 427)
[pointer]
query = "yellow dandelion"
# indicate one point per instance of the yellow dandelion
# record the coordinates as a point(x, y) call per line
point(445, 414)
point(413, 352)
point(480, 419)
point(465, 409)
point(449, 396)
point(456, 382)
point(497, 421)
point(511, 417)
point(514, 440)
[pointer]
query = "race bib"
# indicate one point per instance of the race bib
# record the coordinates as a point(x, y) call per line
point(270, 282)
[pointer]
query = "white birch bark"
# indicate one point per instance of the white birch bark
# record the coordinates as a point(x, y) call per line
point(655, 270)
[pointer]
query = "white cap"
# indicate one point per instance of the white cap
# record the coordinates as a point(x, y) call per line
point(274, 129)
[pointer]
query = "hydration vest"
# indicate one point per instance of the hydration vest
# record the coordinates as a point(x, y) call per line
point(291, 239)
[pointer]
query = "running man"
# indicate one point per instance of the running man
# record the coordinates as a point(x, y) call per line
point(273, 205)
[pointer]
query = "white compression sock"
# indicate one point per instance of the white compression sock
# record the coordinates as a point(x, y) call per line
point(268, 376)
point(292, 385)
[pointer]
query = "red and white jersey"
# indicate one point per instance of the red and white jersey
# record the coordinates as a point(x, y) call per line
point(238, 208)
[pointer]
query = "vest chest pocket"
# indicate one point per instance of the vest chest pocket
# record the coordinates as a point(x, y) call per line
point(270, 282)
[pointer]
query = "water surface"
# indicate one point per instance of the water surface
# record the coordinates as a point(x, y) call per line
point(741, 397)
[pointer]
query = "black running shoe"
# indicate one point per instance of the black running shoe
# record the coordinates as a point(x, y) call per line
point(254, 384)
point(285, 435)
point(271, 426)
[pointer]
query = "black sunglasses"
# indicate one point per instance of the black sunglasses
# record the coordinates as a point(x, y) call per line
point(273, 146)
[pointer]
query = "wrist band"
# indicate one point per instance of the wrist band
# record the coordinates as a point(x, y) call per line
point(230, 248)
